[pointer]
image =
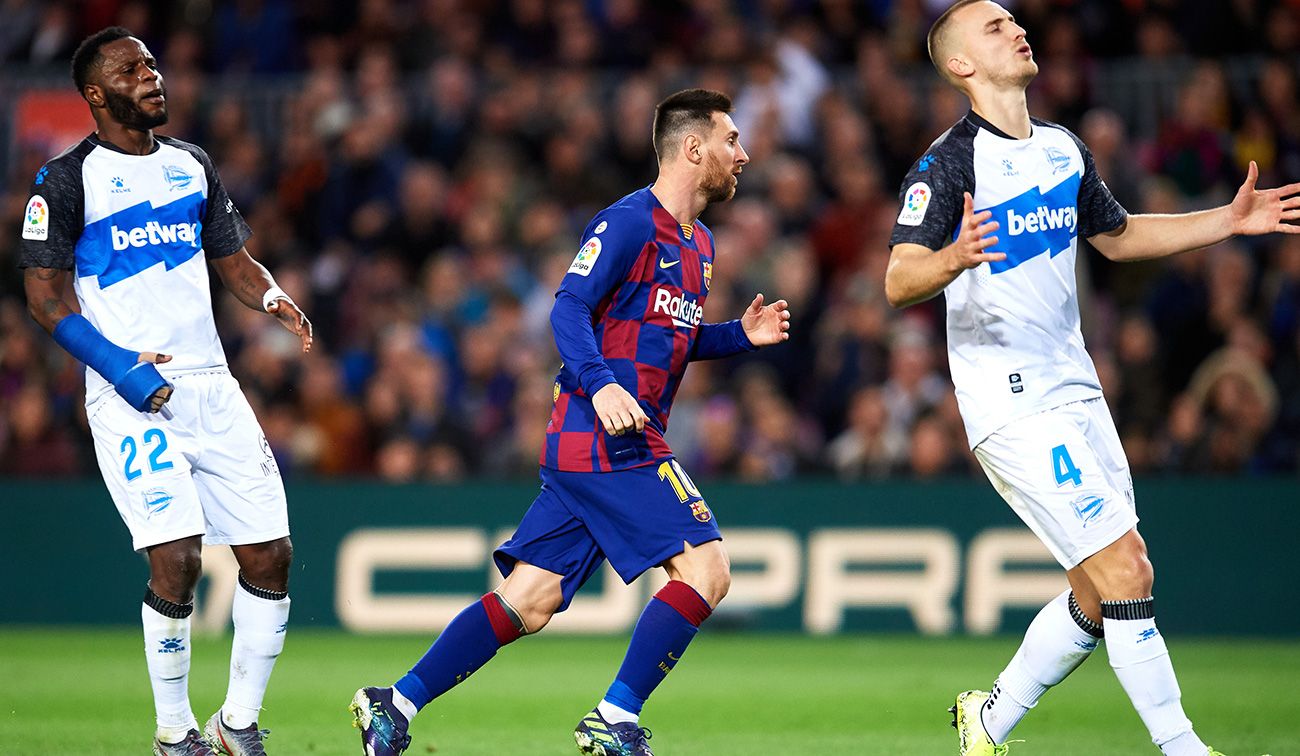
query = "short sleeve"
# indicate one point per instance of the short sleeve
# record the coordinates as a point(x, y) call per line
point(930, 199)
point(611, 243)
point(54, 216)
point(1099, 211)
point(224, 229)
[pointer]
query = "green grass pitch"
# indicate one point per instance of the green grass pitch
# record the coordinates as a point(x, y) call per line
point(86, 692)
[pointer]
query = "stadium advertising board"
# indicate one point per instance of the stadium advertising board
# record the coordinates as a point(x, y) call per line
point(818, 557)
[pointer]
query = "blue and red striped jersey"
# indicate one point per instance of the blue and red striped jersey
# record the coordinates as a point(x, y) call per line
point(630, 310)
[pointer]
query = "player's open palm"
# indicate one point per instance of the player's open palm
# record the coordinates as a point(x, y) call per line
point(618, 411)
point(968, 250)
point(160, 396)
point(766, 325)
point(292, 318)
point(1263, 211)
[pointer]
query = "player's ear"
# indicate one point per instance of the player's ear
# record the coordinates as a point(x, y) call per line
point(94, 95)
point(694, 148)
point(959, 67)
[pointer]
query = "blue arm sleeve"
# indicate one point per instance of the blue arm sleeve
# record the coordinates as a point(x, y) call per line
point(718, 340)
point(135, 381)
point(571, 321)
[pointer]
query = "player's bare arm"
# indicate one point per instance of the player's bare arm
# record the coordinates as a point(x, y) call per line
point(917, 273)
point(44, 288)
point(1252, 212)
point(766, 325)
point(251, 282)
point(618, 411)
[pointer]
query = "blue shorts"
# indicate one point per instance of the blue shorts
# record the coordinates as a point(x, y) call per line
point(637, 519)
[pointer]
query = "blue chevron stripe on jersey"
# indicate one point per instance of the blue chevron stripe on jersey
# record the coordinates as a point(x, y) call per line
point(139, 237)
point(1036, 222)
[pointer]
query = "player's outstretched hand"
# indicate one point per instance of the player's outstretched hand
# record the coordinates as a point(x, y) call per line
point(160, 396)
point(967, 251)
point(618, 411)
point(766, 325)
point(1263, 211)
point(292, 318)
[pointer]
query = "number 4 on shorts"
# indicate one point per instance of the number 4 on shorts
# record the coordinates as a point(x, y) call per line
point(1064, 467)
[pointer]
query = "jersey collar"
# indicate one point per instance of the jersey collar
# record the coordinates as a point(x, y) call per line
point(95, 140)
point(984, 123)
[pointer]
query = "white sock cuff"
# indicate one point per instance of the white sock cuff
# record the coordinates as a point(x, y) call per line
point(1015, 681)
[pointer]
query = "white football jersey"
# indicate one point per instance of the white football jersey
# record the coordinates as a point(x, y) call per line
point(1014, 342)
point(137, 230)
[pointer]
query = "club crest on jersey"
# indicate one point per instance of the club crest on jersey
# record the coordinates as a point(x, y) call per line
point(915, 201)
point(708, 275)
point(36, 219)
point(586, 259)
point(176, 177)
point(701, 511)
point(1060, 161)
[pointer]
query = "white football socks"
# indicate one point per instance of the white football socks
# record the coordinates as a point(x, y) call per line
point(615, 714)
point(1141, 662)
point(167, 653)
point(260, 618)
point(1055, 644)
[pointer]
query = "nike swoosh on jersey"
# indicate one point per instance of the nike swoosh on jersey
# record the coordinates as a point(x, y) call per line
point(665, 264)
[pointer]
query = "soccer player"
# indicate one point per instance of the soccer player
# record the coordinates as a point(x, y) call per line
point(991, 216)
point(136, 218)
point(627, 321)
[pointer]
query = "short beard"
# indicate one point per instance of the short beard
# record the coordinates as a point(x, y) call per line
point(128, 113)
point(717, 185)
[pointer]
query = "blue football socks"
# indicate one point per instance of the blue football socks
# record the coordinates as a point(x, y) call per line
point(469, 642)
point(666, 627)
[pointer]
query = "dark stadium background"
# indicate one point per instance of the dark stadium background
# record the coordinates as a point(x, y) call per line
point(417, 173)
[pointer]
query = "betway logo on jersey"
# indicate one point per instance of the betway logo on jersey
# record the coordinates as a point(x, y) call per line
point(139, 237)
point(1044, 218)
point(154, 233)
point(686, 313)
point(1036, 223)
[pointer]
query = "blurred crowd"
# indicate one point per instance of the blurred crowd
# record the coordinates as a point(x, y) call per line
point(417, 173)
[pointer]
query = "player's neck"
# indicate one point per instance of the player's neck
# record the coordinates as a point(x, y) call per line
point(1006, 109)
point(130, 141)
point(680, 196)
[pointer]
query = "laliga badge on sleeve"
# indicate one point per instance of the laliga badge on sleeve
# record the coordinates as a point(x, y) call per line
point(586, 259)
point(915, 201)
point(36, 219)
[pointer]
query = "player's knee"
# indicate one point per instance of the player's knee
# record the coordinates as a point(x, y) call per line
point(540, 606)
point(267, 565)
point(175, 577)
point(1129, 577)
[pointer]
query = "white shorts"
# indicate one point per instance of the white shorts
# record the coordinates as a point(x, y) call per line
point(207, 471)
point(1064, 473)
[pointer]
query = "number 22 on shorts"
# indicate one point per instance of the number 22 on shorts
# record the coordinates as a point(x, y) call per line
point(154, 438)
point(1064, 469)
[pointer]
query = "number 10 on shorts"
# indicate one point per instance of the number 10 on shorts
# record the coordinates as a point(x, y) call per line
point(1064, 467)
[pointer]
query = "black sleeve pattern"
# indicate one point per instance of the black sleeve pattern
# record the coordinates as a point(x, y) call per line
point(55, 213)
point(224, 229)
point(930, 199)
point(1099, 211)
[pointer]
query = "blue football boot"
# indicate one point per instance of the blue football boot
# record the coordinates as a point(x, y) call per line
point(596, 737)
point(383, 727)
